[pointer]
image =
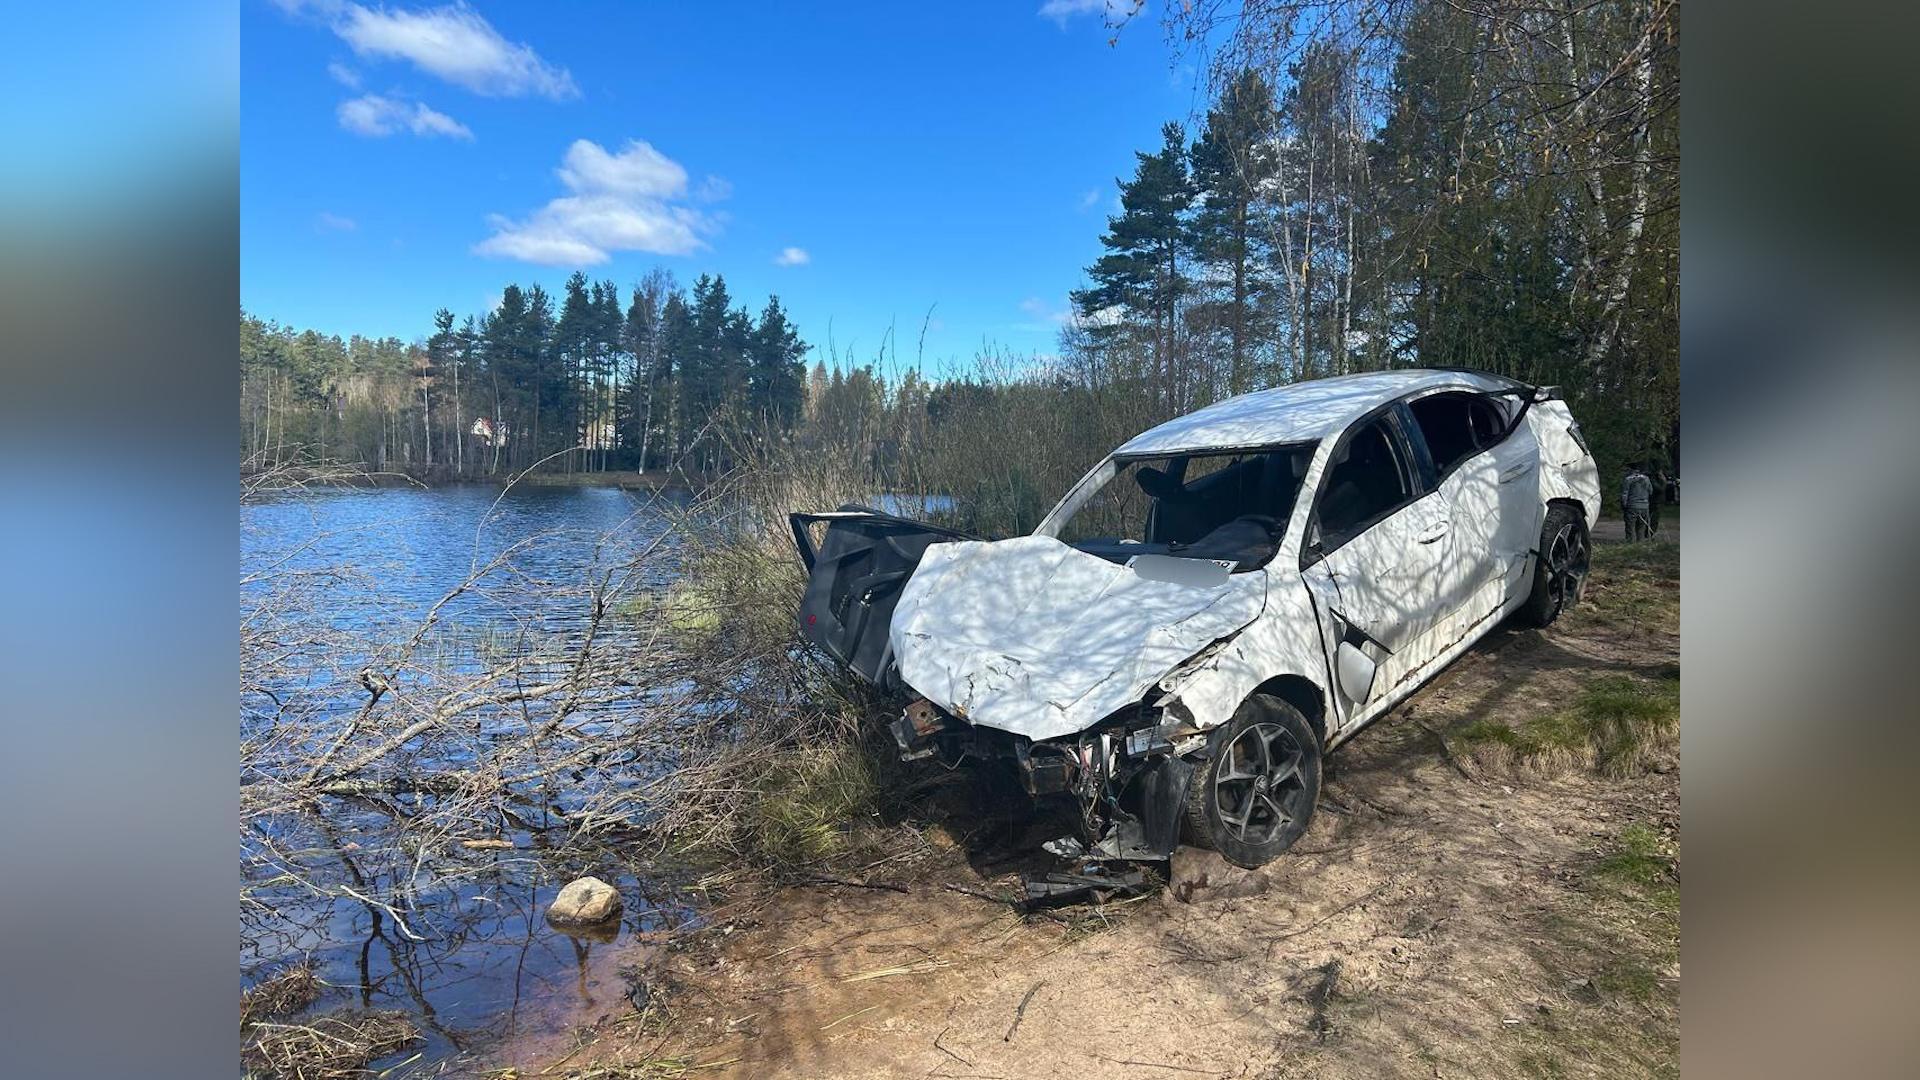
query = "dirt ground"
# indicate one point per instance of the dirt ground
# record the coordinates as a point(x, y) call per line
point(1441, 918)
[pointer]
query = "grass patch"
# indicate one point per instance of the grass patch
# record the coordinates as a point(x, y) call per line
point(1644, 865)
point(682, 608)
point(1635, 586)
point(1614, 724)
point(808, 799)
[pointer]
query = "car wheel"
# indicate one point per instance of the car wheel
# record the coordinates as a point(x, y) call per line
point(1560, 573)
point(1256, 793)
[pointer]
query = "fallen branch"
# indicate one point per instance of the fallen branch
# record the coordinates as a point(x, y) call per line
point(967, 890)
point(1020, 1013)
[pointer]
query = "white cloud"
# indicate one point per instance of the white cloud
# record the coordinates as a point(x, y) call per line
point(332, 222)
point(637, 170)
point(1112, 12)
point(792, 256)
point(344, 75)
point(377, 117)
point(1088, 199)
point(712, 189)
point(629, 201)
point(453, 42)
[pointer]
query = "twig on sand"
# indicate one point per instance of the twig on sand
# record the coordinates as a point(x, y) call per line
point(1335, 913)
point(1446, 751)
point(849, 1016)
point(1020, 1013)
point(949, 1053)
point(919, 968)
point(829, 879)
point(1153, 1064)
point(968, 890)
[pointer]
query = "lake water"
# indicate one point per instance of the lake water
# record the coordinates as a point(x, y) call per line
point(475, 964)
point(465, 951)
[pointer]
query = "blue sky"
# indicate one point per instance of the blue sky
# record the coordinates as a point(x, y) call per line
point(865, 163)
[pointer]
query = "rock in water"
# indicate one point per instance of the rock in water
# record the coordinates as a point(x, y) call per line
point(585, 900)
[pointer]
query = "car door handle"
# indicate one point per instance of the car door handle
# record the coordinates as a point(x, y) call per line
point(1508, 476)
point(1433, 534)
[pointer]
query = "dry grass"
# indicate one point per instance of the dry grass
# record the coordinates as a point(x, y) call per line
point(1616, 724)
point(281, 994)
point(333, 1047)
point(791, 762)
point(809, 800)
point(1635, 586)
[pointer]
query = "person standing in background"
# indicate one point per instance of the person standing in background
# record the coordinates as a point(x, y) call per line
point(1636, 497)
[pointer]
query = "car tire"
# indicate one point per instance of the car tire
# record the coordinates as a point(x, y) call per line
point(1256, 792)
point(1560, 570)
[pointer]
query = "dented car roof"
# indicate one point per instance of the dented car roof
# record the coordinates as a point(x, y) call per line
point(1299, 412)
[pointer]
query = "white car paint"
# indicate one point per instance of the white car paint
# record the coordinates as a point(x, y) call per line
point(1033, 637)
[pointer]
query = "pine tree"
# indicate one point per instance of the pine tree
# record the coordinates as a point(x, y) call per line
point(1234, 164)
point(642, 338)
point(677, 343)
point(1143, 278)
point(777, 369)
point(440, 359)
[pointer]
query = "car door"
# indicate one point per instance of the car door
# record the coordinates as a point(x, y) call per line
point(1482, 473)
point(1377, 546)
point(1515, 452)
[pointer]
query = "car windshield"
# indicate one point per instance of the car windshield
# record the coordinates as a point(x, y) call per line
point(1231, 506)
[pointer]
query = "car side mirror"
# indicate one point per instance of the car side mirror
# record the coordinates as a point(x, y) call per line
point(1313, 538)
point(1355, 671)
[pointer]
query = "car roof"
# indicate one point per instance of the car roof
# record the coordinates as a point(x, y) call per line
point(1299, 412)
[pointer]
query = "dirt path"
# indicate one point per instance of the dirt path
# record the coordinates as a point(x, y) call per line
point(1440, 919)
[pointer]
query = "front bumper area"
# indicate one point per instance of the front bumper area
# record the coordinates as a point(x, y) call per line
point(1130, 773)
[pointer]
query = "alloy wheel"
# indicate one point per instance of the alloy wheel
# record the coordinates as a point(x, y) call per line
point(1257, 788)
point(1568, 558)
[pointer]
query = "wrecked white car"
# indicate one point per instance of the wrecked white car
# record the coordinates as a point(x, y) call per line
point(1221, 601)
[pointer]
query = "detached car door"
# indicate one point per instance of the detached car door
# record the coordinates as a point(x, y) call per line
point(857, 561)
point(1376, 552)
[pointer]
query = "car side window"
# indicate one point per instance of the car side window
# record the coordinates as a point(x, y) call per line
point(1453, 425)
point(1490, 424)
point(1367, 480)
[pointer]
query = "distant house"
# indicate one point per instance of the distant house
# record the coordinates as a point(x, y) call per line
point(483, 430)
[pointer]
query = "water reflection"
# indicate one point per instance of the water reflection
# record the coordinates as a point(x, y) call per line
point(454, 936)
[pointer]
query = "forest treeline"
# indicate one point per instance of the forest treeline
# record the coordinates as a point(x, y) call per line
point(598, 381)
point(1374, 184)
point(1384, 183)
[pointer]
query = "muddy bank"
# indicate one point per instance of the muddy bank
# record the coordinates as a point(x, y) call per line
point(1450, 913)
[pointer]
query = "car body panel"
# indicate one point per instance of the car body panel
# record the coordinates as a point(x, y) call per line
point(1033, 637)
point(1297, 412)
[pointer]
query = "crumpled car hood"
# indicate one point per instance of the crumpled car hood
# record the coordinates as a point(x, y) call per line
point(1031, 636)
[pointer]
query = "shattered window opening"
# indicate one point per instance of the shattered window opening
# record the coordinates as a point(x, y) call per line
point(1458, 425)
point(1366, 481)
point(1227, 505)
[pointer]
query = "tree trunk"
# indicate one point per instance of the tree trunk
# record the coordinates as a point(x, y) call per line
point(459, 431)
point(1237, 377)
point(1614, 297)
